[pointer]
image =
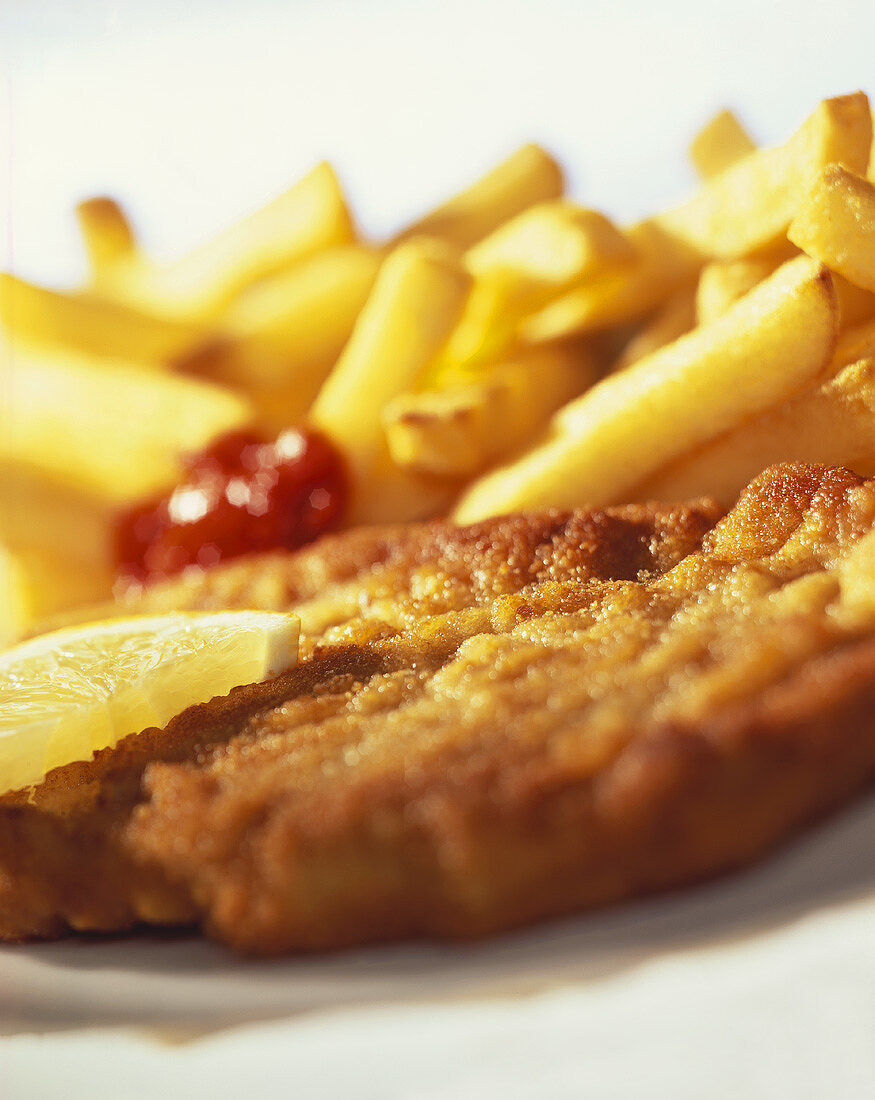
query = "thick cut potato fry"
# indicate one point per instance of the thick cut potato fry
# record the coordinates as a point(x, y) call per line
point(723, 282)
point(15, 613)
point(832, 423)
point(284, 334)
point(836, 225)
point(528, 176)
point(393, 495)
point(458, 431)
point(310, 216)
point(742, 212)
point(747, 209)
point(670, 321)
point(536, 256)
point(485, 329)
point(855, 304)
point(92, 324)
point(39, 514)
point(871, 173)
point(35, 584)
point(414, 305)
point(721, 142)
point(768, 346)
point(551, 246)
point(662, 266)
point(111, 430)
point(855, 343)
point(109, 239)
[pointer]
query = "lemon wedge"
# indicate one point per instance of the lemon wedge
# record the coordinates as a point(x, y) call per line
point(65, 695)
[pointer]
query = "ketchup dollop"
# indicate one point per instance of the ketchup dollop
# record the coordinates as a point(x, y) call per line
point(241, 495)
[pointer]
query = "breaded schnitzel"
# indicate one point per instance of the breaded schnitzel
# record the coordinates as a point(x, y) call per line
point(488, 726)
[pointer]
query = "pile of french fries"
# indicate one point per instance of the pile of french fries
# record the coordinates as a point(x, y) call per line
point(510, 350)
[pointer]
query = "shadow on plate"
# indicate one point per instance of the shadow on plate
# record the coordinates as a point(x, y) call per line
point(182, 986)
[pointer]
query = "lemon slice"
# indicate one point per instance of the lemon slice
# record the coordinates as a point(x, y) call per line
point(67, 694)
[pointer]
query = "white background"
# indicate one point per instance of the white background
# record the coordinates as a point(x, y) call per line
point(193, 113)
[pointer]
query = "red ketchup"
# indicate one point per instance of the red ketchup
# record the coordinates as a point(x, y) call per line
point(239, 496)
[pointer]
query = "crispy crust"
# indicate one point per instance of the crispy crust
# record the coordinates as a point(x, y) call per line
point(521, 719)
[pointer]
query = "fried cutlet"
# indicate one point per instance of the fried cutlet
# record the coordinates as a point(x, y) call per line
point(488, 726)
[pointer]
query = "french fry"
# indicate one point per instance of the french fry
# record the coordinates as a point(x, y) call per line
point(92, 324)
point(116, 430)
point(310, 216)
point(671, 320)
point(35, 584)
point(871, 173)
point(855, 304)
point(662, 266)
point(723, 282)
point(721, 142)
point(485, 329)
point(746, 209)
point(769, 345)
point(393, 495)
point(15, 611)
point(458, 431)
point(282, 336)
point(832, 423)
point(414, 305)
point(528, 176)
point(82, 439)
point(836, 225)
point(551, 246)
point(743, 212)
point(38, 513)
point(540, 253)
point(444, 432)
point(108, 237)
point(855, 343)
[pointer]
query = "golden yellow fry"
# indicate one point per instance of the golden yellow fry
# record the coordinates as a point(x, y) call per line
point(747, 209)
point(458, 431)
point(276, 408)
point(283, 335)
point(14, 598)
point(663, 265)
point(833, 423)
point(723, 282)
point(35, 584)
point(111, 430)
point(393, 495)
point(722, 142)
point(92, 324)
point(310, 216)
point(38, 513)
point(836, 225)
point(528, 176)
point(871, 173)
point(536, 256)
point(551, 246)
point(671, 320)
point(769, 345)
point(441, 432)
point(108, 237)
point(484, 331)
point(855, 343)
point(855, 304)
point(414, 305)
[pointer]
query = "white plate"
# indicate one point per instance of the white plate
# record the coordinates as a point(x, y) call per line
point(785, 951)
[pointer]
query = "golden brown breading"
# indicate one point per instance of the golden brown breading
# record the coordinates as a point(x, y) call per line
point(490, 726)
